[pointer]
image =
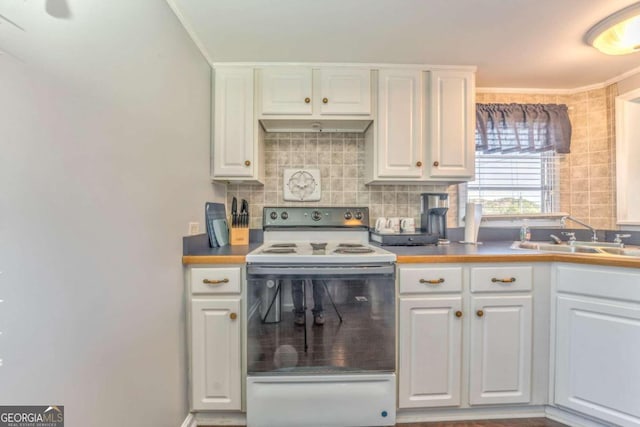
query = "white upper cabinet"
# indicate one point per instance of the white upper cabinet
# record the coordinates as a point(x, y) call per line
point(235, 132)
point(310, 92)
point(286, 90)
point(344, 91)
point(451, 133)
point(399, 138)
point(425, 127)
point(418, 121)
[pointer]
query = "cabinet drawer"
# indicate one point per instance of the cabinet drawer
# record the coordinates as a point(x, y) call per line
point(613, 283)
point(501, 279)
point(215, 280)
point(430, 280)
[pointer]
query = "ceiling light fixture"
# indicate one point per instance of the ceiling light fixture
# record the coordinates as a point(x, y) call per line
point(617, 34)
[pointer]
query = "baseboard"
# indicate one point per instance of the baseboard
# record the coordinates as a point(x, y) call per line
point(190, 421)
point(220, 419)
point(571, 419)
point(426, 415)
point(464, 414)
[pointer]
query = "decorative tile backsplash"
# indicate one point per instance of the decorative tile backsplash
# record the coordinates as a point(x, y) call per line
point(340, 158)
point(587, 175)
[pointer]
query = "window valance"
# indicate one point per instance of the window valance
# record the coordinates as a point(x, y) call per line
point(509, 128)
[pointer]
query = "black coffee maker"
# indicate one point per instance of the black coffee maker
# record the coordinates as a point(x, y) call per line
point(433, 214)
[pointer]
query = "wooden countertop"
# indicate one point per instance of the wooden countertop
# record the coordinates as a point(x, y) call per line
point(197, 251)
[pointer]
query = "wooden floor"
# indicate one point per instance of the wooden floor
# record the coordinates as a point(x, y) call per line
point(519, 422)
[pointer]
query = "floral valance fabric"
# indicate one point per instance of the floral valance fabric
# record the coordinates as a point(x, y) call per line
point(509, 128)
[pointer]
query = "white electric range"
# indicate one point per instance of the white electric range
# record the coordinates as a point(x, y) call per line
point(337, 373)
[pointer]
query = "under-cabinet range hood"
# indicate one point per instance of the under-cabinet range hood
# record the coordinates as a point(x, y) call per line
point(297, 125)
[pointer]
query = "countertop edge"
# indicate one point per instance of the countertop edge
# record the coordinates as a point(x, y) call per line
point(444, 259)
point(213, 259)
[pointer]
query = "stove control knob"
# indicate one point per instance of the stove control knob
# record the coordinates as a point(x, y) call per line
point(358, 215)
point(316, 215)
point(348, 215)
point(284, 215)
point(273, 215)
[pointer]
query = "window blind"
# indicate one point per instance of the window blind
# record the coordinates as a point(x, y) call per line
point(516, 183)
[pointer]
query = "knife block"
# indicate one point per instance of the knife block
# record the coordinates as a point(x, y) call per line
point(239, 236)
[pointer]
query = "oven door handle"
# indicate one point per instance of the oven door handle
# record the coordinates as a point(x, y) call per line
point(369, 270)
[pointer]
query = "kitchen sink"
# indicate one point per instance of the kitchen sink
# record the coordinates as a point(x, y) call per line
point(622, 251)
point(578, 248)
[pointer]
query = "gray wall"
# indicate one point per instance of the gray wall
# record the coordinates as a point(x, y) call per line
point(104, 142)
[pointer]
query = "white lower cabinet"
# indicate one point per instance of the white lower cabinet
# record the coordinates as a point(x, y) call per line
point(598, 343)
point(437, 305)
point(215, 347)
point(501, 339)
point(430, 351)
point(215, 333)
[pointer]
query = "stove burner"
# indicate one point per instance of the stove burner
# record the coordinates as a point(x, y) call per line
point(318, 246)
point(283, 245)
point(279, 250)
point(353, 250)
point(350, 245)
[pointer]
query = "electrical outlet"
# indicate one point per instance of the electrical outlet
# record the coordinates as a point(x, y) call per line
point(194, 228)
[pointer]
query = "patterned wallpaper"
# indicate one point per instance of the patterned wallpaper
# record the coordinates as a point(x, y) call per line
point(340, 158)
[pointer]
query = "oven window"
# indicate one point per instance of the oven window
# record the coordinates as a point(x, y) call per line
point(287, 335)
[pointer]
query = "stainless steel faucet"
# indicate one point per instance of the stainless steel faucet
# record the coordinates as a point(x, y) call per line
point(564, 219)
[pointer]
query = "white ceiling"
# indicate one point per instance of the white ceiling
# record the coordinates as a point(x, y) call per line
point(514, 43)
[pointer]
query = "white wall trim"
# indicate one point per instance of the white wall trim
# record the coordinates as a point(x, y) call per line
point(544, 91)
point(371, 65)
point(187, 26)
point(569, 418)
point(465, 414)
point(220, 418)
point(525, 90)
point(190, 421)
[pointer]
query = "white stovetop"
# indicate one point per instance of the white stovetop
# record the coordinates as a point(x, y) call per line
point(304, 253)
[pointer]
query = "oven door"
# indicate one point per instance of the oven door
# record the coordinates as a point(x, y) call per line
point(340, 373)
point(358, 306)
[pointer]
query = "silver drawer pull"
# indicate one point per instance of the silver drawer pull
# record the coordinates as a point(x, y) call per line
point(432, 281)
point(215, 282)
point(508, 280)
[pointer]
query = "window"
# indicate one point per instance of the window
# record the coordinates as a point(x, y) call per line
point(517, 160)
point(516, 183)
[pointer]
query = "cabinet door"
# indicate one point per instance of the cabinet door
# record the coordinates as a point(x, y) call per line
point(286, 90)
point(399, 144)
point(452, 124)
point(430, 352)
point(233, 127)
point(597, 354)
point(501, 334)
point(344, 91)
point(215, 354)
